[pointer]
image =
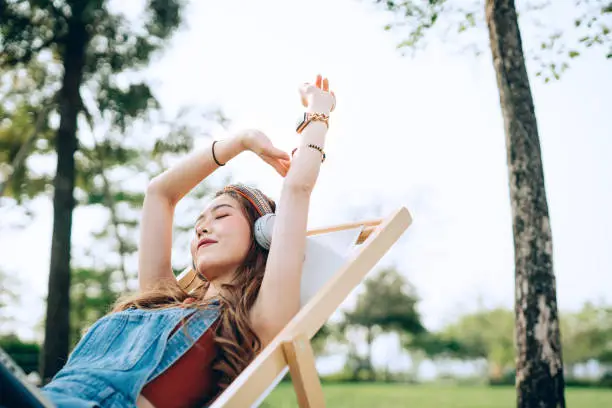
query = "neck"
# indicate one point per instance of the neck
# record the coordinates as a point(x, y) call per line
point(215, 287)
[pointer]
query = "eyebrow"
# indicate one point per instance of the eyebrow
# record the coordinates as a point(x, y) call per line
point(215, 208)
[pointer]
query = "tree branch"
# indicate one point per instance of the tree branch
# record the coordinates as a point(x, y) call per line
point(25, 149)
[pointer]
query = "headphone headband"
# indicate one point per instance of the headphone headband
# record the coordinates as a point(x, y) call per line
point(257, 199)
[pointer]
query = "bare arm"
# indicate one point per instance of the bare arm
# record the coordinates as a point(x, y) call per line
point(163, 193)
point(279, 297)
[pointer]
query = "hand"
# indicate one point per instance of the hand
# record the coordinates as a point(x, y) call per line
point(257, 142)
point(318, 98)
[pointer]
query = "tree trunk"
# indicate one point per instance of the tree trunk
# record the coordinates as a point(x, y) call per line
point(57, 327)
point(370, 340)
point(539, 366)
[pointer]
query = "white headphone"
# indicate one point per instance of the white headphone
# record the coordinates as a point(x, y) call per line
point(264, 226)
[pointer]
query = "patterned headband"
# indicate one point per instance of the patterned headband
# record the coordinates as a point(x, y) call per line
point(257, 199)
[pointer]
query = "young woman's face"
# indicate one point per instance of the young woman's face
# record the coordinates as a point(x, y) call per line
point(222, 239)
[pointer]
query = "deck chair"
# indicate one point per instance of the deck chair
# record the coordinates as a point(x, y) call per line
point(337, 259)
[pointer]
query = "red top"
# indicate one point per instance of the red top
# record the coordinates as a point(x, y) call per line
point(190, 381)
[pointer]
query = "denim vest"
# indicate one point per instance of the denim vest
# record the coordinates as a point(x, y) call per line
point(122, 352)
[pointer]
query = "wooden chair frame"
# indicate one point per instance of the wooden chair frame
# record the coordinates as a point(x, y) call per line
point(291, 348)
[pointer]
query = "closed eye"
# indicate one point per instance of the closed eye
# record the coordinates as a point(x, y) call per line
point(216, 218)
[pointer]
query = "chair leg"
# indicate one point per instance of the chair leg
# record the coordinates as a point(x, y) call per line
point(301, 361)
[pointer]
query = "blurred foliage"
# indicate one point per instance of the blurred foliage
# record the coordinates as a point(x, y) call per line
point(485, 334)
point(586, 335)
point(123, 135)
point(8, 296)
point(34, 39)
point(91, 294)
point(554, 46)
point(85, 57)
point(488, 334)
point(25, 354)
point(386, 304)
point(16, 129)
point(319, 340)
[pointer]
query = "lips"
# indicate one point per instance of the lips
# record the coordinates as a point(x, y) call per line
point(205, 242)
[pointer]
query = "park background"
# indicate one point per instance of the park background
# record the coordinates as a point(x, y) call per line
point(422, 130)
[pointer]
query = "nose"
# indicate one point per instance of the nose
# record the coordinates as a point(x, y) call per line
point(202, 230)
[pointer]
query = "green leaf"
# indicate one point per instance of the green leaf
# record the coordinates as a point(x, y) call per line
point(471, 19)
point(573, 54)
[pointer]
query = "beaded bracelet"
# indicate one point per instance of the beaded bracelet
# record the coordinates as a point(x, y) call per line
point(313, 146)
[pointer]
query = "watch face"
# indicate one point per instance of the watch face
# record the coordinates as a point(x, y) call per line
point(300, 121)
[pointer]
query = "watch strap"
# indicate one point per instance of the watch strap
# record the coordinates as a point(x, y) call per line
point(312, 117)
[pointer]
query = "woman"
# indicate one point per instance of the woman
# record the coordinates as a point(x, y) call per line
point(168, 348)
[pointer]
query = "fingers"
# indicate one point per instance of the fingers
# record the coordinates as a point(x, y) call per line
point(281, 166)
point(278, 153)
point(320, 83)
point(286, 165)
point(268, 149)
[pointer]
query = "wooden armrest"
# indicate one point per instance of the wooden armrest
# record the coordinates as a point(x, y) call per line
point(340, 227)
point(272, 361)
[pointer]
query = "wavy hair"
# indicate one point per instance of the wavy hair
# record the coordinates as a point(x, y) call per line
point(237, 343)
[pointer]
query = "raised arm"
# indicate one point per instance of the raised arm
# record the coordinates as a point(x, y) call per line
point(279, 296)
point(163, 193)
point(167, 189)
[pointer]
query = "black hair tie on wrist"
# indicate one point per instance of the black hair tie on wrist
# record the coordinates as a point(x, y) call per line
point(213, 154)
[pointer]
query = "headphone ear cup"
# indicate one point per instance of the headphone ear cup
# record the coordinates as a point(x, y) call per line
point(264, 226)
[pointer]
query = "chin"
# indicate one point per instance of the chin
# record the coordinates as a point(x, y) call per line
point(209, 268)
point(203, 265)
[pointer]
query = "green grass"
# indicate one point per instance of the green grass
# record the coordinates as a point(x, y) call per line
point(426, 396)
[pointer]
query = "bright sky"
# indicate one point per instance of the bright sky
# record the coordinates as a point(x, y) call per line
point(424, 133)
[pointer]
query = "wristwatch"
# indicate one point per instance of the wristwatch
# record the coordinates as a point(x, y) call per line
point(309, 117)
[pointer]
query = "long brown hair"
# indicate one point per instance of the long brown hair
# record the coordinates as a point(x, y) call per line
point(236, 341)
